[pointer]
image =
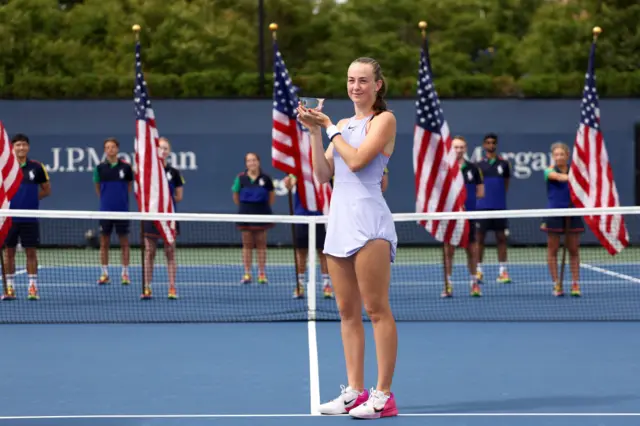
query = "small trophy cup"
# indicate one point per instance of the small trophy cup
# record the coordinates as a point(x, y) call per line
point(312, 103)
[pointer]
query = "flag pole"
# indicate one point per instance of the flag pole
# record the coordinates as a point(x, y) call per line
point(423, 30)
point(5, 287)
point(596, 32)
point(273, 27)
point(136, 30)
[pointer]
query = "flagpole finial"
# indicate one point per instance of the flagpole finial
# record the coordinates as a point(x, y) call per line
point(423, 28)
point(273, 27)
point(596, 31)
point(136, 28)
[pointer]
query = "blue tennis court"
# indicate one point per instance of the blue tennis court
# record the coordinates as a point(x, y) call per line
point(457, 365)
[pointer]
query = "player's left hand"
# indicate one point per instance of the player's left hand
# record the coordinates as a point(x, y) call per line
point(314, 116)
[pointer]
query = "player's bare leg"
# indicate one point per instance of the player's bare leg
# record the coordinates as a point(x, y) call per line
point(501, 241)
point(172, 269)
point(10, 270)
point(247, 255)
point(260, 238)
point(124, 258)
point(104, 259)
point(327, 288)
point(32, 272)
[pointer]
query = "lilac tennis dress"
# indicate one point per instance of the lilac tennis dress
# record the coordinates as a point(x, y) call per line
point(358, 211)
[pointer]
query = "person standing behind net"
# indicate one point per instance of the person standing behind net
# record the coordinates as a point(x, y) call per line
point(253, 193)
point(151, 234)
point(34, 187)
point(475, 190)
point(113, 178)
point(496, 172)
point(302, 245)
point(559, 197)
point(361, 237)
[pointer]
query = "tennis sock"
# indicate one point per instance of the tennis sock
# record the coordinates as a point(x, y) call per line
point(503, 267)
point(325, 279)
point(301, 279)
point(125, 270)
point(10, 278)
point(479, 267)
point(105, 270)
point(33, 279)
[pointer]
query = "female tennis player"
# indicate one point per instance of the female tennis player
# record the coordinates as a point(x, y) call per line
point(151, 234)
point(361, 239)
point(559, 198)
point(254, 193)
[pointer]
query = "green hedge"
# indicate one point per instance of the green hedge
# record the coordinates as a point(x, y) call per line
point(222, 84)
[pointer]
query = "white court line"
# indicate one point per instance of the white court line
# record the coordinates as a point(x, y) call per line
point(611, 273)
point(221, 416)
point(314, 370)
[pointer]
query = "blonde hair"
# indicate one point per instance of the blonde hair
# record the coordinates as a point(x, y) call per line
point(460, 138)
point(562, 146)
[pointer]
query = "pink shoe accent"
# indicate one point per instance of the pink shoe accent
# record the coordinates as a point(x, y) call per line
point(390, 409)
point(361, 399)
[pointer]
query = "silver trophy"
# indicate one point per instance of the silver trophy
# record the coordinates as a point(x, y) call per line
point(312, 103)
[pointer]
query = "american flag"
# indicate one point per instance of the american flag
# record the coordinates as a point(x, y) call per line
point(591, 178)
point(438, 179)
point(290, 142)
point(152, 187)
point(11, 176)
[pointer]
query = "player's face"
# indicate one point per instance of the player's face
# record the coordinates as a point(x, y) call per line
point(560, 157)
point(21, 149)
point(111, 149)
point(490, 145)
point(361, 84)
point(252, 163)
point(164, 149)
point(460, 148)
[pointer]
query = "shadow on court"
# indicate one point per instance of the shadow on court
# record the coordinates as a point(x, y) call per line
point(531, 404)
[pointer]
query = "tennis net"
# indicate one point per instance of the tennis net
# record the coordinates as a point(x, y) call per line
point(209, 260)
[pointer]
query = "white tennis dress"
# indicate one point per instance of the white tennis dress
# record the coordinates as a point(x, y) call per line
point(358, 212)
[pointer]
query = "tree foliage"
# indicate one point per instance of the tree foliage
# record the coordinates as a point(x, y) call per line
point(204, 48)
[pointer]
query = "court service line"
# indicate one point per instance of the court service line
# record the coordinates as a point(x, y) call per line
point(314, 369)
point(220, 416)
point(610, 273)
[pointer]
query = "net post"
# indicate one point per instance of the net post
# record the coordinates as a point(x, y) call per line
point(312, 266)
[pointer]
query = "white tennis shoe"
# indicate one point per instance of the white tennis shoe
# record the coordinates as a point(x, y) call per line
point(347, 401)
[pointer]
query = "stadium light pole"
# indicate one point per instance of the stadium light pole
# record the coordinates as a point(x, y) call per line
point(261, 47)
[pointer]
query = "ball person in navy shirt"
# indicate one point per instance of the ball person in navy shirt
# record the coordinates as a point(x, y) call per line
point(559, 197)
point(113, 179)
point(496, 172)
point(474, 186)
point(151, 234)
point(253, 193)
point(302, 244)
point(34, 187)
